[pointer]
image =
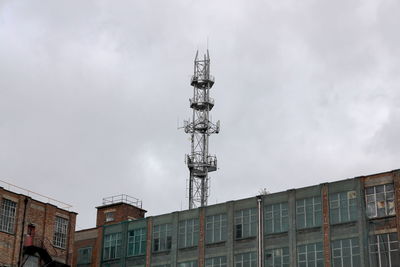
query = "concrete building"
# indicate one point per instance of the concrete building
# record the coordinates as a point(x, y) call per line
point(348, 223)
point(34, 233)
point(115, 209)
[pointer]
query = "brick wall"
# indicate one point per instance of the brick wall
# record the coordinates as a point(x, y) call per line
point(42, 216)
point(87, 238)
point(121, 212)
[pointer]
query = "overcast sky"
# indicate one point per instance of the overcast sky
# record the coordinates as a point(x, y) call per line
point(91, 93)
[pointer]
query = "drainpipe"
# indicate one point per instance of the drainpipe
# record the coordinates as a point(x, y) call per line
point(260, 232)
point(21, 243)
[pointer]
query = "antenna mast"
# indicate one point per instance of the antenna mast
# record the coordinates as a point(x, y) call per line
point(199, 162)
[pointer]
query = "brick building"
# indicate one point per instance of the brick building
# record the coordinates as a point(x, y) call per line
point(348, 223)
point(34, 233)
point(88, 242)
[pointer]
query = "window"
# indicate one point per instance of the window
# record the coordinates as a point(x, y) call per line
point(276, 218)
point(137, 242)
point(246, 260)
point(162, 237)
point(188, 264)
point(188, 233)
point(215, 228)
point(384, 250)
point(60, 232)
point(343, 207)
point(216, 262)
point(7, 215)
point(278, 257)
point(84, 255)
point(310, 255)
point(308, 212)
point(380, 200)
point(112, 246)
point(163, 265)
point(245, 223)
point(109, 216)
point(346, 253)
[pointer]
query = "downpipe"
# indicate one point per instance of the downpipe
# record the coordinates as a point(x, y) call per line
point(260, 232)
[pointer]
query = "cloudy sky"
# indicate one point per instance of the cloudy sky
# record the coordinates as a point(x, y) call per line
point(91, 93)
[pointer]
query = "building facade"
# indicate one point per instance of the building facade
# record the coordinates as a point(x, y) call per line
point(88, 242)
point(34, 233)
point(348, 223)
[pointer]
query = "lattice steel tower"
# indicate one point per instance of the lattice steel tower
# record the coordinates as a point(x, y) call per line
point(199, 162)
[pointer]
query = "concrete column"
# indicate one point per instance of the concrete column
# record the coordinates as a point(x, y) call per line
point(396, 181)
point(326, 225)
point(148, 240)
point(292, 227)
point(201, 260)
point(362, 222)
point(230, 220)
point(124, 243)
point(175, 238)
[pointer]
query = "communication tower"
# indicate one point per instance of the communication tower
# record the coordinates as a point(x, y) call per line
point(199, 161)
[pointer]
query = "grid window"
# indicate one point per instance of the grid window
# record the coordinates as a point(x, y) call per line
point(60, 232)
point(216, 262)
point(109, 216)
point(137, 242)
point(7, 215)
point(380, 200)
point(245, 223)
point(162, 238)
point(384, 250)
point(308, 212)
point(163, 265)
point(343, 207)
point(84, 255)
point(215, 228)
point(246, 260)
point(188, 233)
point(276, 218)
point(278, 257)
point(346, 253)
point(310, 255)
point(112, 246)
point(188, 264)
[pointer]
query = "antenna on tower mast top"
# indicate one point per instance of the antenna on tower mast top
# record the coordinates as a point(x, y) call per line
point(200, 127)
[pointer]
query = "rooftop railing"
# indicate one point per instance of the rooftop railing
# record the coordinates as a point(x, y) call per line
point(122, 199)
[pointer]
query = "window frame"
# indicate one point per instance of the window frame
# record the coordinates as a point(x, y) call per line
point(79, 260)
point(216, 228)
point(240, 259)
point(8, 213)
point(113, 240)
point(188, 233)
point(245, 223)
point(350, 206)
point(192, 263)
point(371, 198)
point(284, 257)
point(163, 234)
point(60, 235)
point(219, 261)
point(137, 239)
point(376, 240)
point(270, 215)
point(305, 207)
point(317, 254)
point(339, 252)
